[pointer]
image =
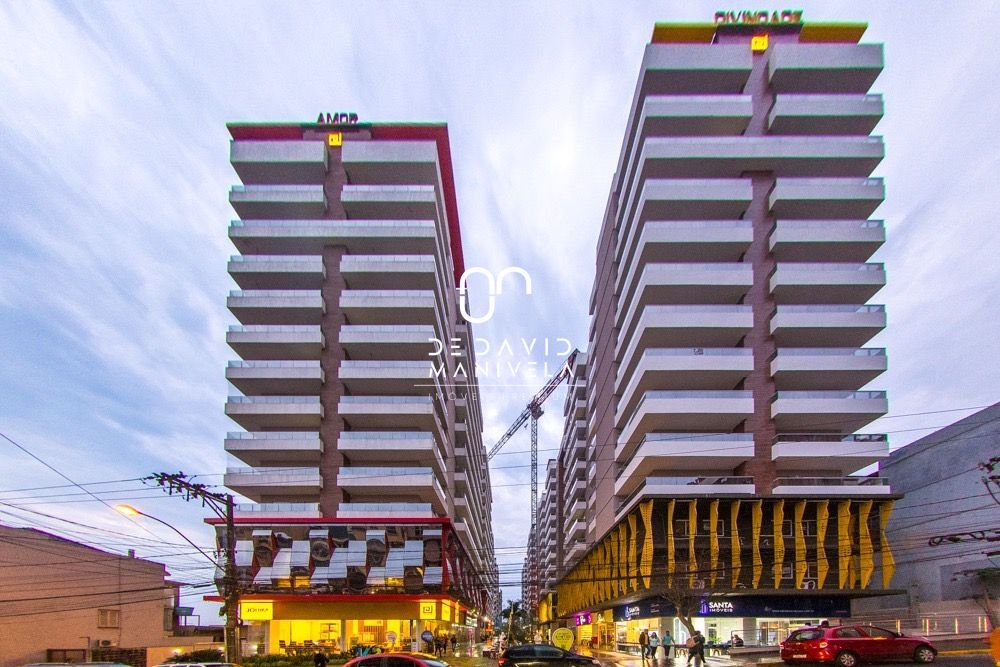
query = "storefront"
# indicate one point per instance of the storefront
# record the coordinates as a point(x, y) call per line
point(289, 626)
point(759, 620)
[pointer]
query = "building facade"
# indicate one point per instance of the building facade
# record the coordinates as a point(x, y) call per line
point(727, 366)
point(65, 601)
point(945, 531)
point(362, 427)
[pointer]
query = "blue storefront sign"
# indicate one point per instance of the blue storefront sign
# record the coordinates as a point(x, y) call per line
point(761, 606)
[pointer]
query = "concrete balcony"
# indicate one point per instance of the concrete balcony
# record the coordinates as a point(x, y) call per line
point(826, 282)
point(391, 412)
point(731, 157)
point(281, 202)
point(391, 202)
point(379, 510)
point(687, 487)
point(277, 271)
point(680, 368)
point(686, 411)
point(279, 162)
point(277, 510)
point(393, 307)
point(673, 69)
point(387, 341)
point(693, 199)
point(826, 198)
point(391, 162)
point(685, 241)
point(660, 453)
point(269, 341)
point(576, 529)
point(279, 378)
point(831, 486)
point(824, 68)
point(575, 550)
point(805, 368)
point(828, 325)
point(683, 284)
point(277, 306)
point(575, 510)
point(258, 413)
point(576, 489)
point(684, 326)
point(389, 377)
point(263, 483)
point(275, 448)
point(411, 484)
point(383, 447)
point(825, 114)
point(310, 237)
point(809, 452)
point(846, 411)
point(826, 240)
point(694, 115)
point(384, 272)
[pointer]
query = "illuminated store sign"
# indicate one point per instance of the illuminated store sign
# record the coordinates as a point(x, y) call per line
point(256, 611)
point(758, 17)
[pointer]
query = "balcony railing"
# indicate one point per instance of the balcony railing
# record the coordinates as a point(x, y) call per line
point(272, 435)
point(832, 351)
point(833, 308)
point(830, 481)
point(823, 394)
point(273, 400)
point(829, 437)
point(274, 364)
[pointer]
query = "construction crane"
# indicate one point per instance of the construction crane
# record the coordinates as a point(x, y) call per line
point(533, 411)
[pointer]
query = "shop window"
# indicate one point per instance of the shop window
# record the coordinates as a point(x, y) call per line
point(109, 618)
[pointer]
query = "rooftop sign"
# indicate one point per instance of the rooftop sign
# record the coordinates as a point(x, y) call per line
point(337, 118)
point(758, 17)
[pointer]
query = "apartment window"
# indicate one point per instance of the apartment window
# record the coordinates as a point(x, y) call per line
point(681, 528)
point(109, 618)
point(808, 528)
point(720, 527)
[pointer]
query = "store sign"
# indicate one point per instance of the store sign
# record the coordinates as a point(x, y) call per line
point(584, 619)
point(758, 17)
point(337, 118)
point(717, 608)
point(183, 611)
point(428, 610)
point(563, 638)
point(763, 606)
point(256, 611)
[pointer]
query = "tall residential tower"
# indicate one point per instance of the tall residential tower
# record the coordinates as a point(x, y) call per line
point(371, 515)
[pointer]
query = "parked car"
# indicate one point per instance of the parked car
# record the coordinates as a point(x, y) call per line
point(397, 660)
point(543, 655)
point(847, 645)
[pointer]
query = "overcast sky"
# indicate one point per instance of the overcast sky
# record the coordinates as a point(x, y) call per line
point(113, 209)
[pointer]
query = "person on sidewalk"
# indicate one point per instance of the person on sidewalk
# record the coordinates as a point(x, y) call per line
point(696, 649)
point(654, 645)
point(644, 644)
point(668, 645)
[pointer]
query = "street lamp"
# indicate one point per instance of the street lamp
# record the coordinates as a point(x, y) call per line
point(128, 510)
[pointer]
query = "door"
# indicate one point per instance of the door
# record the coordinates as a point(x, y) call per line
point(851, 639)
point(885, 644)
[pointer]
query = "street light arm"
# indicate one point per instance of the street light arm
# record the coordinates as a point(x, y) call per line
point(128, 509)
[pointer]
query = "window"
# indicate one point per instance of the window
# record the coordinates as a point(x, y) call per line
point(805, 635)
point(521, 652)
point(681, 528)
point(548, 652)
point(720, 527)
point(879, 633)
point(847, 633)
point(396, 661)
point(371, 662)
point(109, 618)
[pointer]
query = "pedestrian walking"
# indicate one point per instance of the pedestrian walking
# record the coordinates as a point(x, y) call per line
point(696, 648)
point(644, 644)
point(454, 642)
point(654, 644)
point(319, 660)
point(668, 645)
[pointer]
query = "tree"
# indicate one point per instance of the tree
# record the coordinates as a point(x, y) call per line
point(686, 604)
point(515, 622)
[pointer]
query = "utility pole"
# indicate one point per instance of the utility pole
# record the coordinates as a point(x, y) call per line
point(222, 505)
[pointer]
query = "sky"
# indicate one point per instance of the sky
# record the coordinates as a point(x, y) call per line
point(114, 213)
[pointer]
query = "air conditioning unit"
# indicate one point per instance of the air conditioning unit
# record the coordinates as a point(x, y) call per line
point(105, 643)
point(809, 584)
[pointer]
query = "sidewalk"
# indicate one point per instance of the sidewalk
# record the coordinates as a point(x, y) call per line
point(629, 660)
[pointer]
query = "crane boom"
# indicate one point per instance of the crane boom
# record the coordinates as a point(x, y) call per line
point(534, 407)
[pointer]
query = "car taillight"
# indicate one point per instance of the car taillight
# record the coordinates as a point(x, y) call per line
point(501, 660)
point(823, 644)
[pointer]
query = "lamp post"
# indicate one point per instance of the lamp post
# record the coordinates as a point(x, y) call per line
point(230, 592)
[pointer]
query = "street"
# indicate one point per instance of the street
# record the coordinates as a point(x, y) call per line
point(942, 661)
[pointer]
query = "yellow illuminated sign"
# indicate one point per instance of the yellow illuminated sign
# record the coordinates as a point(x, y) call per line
point(335, 139)
point(563, 638)
point(256, 611)
point(428, 610)
point(446, 611)
point(758, 43)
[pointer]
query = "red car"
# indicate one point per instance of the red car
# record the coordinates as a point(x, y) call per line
point(847, 645)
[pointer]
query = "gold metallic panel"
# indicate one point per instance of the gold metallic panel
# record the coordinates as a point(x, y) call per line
point(633, 551)
point(866, 553)
point(757, 517)
point(622, 558)
point(671, 555)
point(692, 532)
point(734, 540)
point(888, 562)
point(843, 543)
point(778, 520)
point(646, 559)
point(800, 543)
point(713, 541)
point(822, 565)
